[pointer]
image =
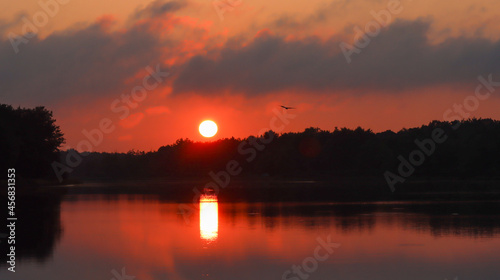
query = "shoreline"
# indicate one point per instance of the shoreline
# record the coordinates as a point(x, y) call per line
point(281, 190)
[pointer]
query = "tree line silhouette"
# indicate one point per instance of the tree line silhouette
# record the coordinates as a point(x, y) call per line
point(29, 141)
point(470, 151)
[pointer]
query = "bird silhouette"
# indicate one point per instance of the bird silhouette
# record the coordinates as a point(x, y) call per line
point(285, 107)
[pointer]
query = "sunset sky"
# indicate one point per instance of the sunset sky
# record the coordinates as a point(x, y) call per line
point(235, 66)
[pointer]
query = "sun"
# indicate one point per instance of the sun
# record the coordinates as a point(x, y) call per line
point(208, 128)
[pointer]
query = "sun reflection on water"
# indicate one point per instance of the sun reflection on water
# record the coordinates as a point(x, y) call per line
point(209, 218)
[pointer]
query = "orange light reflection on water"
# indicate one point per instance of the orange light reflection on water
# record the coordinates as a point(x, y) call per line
point(209, 218)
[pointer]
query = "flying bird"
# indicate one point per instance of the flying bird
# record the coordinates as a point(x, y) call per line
point(285, 107)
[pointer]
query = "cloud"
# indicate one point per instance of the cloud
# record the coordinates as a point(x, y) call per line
point(6, 25)
point(325, 11)
point(158, 8)
point(86, 63)
point(400, 57)
point(99, 61)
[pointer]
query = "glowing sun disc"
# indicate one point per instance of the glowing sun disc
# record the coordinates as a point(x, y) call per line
point(208, 128)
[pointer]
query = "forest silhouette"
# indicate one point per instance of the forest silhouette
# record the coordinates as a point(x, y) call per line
point(471, 150)
point(30, 142)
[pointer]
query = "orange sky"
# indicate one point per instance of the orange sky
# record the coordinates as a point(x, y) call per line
point(235, 70)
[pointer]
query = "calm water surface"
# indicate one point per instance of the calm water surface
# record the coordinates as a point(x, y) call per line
point(95, 237)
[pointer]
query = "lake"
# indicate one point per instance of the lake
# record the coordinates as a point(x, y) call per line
point(144, 237)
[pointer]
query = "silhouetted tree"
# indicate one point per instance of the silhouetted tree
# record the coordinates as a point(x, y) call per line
point(30, 140)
